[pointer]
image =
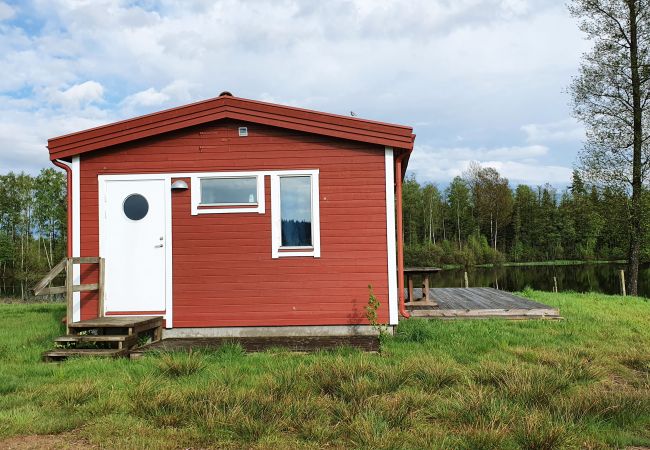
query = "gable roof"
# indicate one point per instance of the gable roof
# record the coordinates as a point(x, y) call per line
point(229, 107)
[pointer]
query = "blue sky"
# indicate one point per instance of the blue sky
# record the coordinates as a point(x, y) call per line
point(479, 80)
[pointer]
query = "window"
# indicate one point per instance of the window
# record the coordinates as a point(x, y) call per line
point(295, 214)
point(135, 207)
point(295, 211)
point(228, 192)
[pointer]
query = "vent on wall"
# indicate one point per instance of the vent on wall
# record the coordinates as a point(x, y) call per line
point(243, 131)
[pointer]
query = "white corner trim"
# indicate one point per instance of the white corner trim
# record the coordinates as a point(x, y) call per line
point(276, 220)
point(169, 279)
point(195, 194)
point(76, 235)
point(390, 237)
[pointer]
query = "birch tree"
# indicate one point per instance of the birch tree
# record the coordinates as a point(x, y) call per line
point(611, 96)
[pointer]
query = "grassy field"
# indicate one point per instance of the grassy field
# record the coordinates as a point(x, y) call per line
point(583, 382)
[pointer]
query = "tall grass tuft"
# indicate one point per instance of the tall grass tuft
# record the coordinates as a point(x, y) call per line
point(603, 402)
point(490, 437)
point(230, 350)
point(415, 330)
point(178, 364)
point(533, 386)
point(75, 395)
point(539, 432)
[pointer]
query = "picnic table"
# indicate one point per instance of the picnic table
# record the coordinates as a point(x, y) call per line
point(425, 272)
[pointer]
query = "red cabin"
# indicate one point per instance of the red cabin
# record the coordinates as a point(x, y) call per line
point(228, 215)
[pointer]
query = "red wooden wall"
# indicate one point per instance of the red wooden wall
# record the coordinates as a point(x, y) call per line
point(223, 273)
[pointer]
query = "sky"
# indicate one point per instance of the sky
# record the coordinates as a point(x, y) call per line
point(478, 80)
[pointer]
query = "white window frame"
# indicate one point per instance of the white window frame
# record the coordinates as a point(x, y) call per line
point(222, 208)
point(277, 250)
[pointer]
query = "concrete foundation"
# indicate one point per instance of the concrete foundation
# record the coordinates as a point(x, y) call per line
point(324, 330)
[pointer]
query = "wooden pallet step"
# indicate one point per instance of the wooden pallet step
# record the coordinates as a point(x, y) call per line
point(141, 322)
point(62, 354)
point(95, 338)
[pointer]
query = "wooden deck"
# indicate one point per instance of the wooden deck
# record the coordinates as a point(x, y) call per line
point(258, 344)
point(478, 303)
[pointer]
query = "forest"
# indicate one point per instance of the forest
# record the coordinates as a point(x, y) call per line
point(478, 218)
point(32, 228)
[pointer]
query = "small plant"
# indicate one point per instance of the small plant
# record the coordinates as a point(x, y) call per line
point(371, 313)
point(230, 350)
point(527, 292)
point(144, 339)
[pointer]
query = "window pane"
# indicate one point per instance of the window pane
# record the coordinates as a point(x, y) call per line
point(229, 190)
point(135, 207)
point(295, 205)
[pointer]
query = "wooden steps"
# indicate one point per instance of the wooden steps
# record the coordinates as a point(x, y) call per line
point(111, 337)
point(122, 341)
point(65, 353)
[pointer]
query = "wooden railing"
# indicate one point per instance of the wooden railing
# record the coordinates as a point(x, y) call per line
point(41, 288)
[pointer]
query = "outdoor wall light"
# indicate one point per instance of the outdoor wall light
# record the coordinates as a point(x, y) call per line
point(179, 185)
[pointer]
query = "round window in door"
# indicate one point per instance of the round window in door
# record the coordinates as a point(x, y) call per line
point(135, 207)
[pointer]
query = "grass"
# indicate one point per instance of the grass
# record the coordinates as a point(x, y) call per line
point(583, 382)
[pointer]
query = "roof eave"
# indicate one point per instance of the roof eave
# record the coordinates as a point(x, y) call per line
point(221, 108)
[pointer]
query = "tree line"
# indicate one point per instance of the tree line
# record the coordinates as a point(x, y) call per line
point(32, 228)
point(479, 218)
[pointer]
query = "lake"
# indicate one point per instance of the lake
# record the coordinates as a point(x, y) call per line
point(577, 277)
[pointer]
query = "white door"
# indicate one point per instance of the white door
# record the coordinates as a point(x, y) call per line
point(133, 242)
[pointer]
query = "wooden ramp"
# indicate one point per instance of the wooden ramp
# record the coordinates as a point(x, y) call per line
point(478, 303)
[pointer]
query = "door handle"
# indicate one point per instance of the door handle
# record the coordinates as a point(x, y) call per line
point(158, 246)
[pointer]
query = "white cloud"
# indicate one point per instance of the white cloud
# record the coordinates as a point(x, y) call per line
point(6, 11)
point(563, 130)
point(148, 97)
point(518, 164)
point(23, 138)
point(78, 95)
point(176, 92)
point(465, 73)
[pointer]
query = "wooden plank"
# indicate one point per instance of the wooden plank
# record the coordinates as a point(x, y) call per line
point(102, 284)
point(62, 354)
point(410, 287)
point(422, 270)
point(47, 279)
point(52, 290)
point(119, 322)
point(486, 313)
point(85, 260)
point(95, 338)
point(69, 282)
point(85, 287)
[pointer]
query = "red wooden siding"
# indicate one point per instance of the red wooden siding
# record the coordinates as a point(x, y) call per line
point(223, 273)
